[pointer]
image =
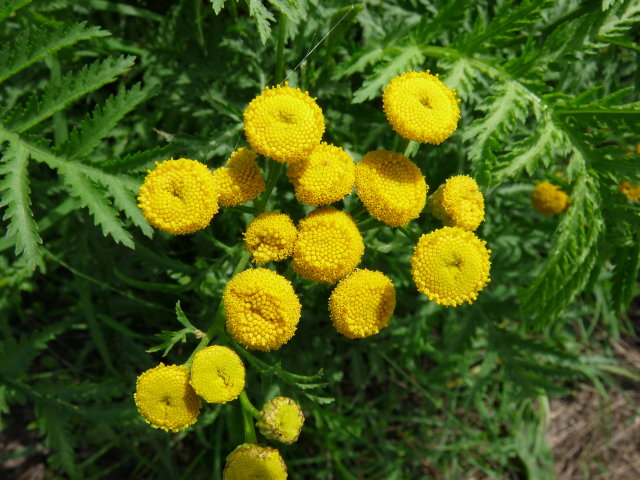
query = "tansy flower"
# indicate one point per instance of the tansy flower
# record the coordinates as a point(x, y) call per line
point(326, 176)
point(165, 398)
point(255, 462)
point(391, 187)
point(281, 419)
point(262, 309)
point(458, 203)
point(420, 107)
point(270, 237)
point(631, 191)
point(179, 196)
point(240, 180)
point(283, 123)
point(548, 199)
point(450, 266)
point(217, 374)
point(362, 303)
point(329, 246)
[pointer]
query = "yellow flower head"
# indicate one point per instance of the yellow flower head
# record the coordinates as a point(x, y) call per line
point(329, 246)
point(270, 237)
point(217, 374)
point(391, 187)
point(262, 309)
point(283, 123)
point(450, 266)
point(165, 398)
point(326, 176)
point(548, 199)
point(281, 419)
point(362, 303)
point(458, 203)
point(179, 196)
point(241, 180)
point(420, 107)
point(255, 462)
point(629, 190)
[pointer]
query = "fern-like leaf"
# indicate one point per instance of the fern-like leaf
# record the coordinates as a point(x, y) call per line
point(7, 7)
point(53, 424)
point(142, 160)
point(71, 87)
point(217, 5)
point(618, 22)
point(16, 197)
point(262, 17)
point(86, 136)
point(35, 43)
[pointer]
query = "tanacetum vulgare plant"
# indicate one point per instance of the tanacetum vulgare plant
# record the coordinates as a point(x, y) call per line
point(383, 233)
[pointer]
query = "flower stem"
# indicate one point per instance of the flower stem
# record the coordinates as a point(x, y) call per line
point(282, 34)
point(247, 405)
point(247, 419)
point(409, 234)
point(274, 172)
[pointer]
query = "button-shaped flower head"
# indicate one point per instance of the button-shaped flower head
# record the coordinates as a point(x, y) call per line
point(391, 187)
point(240, 180)
point(548, 199)
point(262, 309)
point(326, 176)
point(270, 237)
point(217, 374)
point(252, 461)
point(179, 196)
point(420, 107)
point(165, 398)
point(458, 203)
point(629, 190)
point(450, 266)
point(362, 303)
point(283, 123)
point(281, 419)
point(329, 246)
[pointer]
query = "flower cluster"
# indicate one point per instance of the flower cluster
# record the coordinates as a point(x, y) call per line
point(251, 460)
point(458, 203)
point(281, 419)
point(217, 374)
point(240, 180)
point(549, 199)
point(270, 237)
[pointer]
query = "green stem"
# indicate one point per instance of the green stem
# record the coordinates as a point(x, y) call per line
point(274, 172)
point(247, 405)
point(409, 234)
point(247, 419)
point(282, 34)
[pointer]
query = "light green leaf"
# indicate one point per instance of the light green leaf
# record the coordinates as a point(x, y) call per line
point(217, 5)
point(262, 17)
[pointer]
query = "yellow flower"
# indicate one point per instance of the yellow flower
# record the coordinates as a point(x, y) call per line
point(283, 123)
point(217, 374)
point(329, 246)
point(458, 203)
point(241, 180)
point(362, 303)
point(270, 237)
point(179, 196)
point(548, 199)
point(391, 187)
point(450, 266)
point(420, 107)
point(281, 419)
point(255, 462)
point(326, 176)
point(165, 398)
point(631, 191)
point(262, 309)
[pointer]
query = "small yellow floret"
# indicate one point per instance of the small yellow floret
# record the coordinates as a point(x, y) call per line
point(270, 237)
point(420, 107)
point(283, 123)
point(458, 203)
point(629, 190)
point(240, 180)
point(450, 266)
point(391, 187)
point(362, 304)
point(250, 461)
point(262, 309)
point(281, 419)
point(217, 374)
point(165, 398)
point(179, 196)
point(329, 246)
point(326, 176)
point(548, 199)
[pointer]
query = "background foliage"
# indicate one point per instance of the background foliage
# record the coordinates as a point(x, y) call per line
point(92, 93)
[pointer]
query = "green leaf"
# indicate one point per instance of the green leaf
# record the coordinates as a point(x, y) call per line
point(125, 199)
point(35, 43)
point(289, 8)
point(54, 426)
point(618, 21)
point(143, 160)
point(182, 318)
point(262, 17)
point(68, 89)
point(7, 7)
point(16, 197)
point(217, 5)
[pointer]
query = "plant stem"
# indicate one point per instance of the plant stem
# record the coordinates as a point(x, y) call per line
point(247, 405)
point(274, 172)
point(247, 419)
point(409, 234)
point(282, 34)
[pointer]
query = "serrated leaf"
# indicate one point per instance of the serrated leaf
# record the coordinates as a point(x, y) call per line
point(289, 8)
point(619, 20)
point(68, 89)
point(262, 17)
point(16, 197)
point(217, 5)
point(35, 43)
point(7, 7)
point(142, 160)
point(182, 318)
point(170, 338)
point(359, 63)
point(460, 75)
point(53, 425)
point(124, 199)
